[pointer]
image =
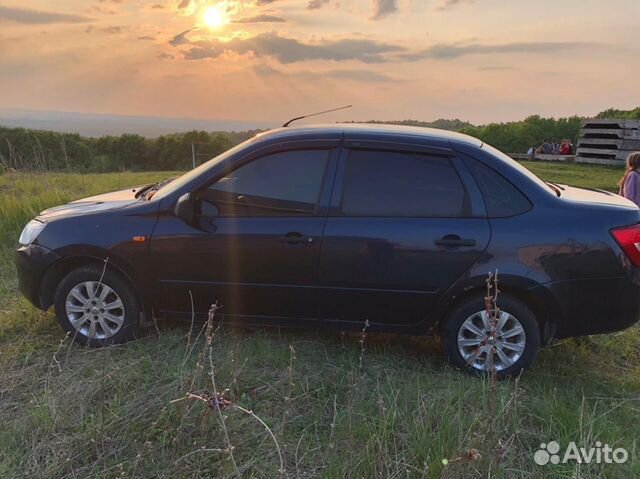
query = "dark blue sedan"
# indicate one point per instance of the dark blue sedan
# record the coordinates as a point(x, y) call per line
point(332, 226)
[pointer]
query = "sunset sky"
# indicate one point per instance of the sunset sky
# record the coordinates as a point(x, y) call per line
point(264, 60)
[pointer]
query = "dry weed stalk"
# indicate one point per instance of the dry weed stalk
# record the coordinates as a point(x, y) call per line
point(362, 348)
point(290, 384)
point(493, 447)
point(218, 402)
point(493, 313)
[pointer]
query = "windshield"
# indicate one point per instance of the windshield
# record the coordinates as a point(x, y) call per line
point(525, 171)
point(180, 181)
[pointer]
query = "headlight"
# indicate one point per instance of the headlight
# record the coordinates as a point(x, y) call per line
point(31, 232)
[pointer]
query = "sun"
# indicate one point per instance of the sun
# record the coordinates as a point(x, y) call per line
point(215, 17)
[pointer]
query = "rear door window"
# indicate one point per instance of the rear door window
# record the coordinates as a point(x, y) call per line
point(397, 184)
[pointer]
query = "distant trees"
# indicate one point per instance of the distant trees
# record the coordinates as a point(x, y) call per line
point(511, 137)
point(443, 124)
point(518, 136)
point(47, 150)
point(620, 114)
point(34, 149)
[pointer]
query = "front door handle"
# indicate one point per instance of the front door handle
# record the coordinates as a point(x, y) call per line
point(455, 241)
point(294, 237)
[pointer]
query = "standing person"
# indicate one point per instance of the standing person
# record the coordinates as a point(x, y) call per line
point(630, 182)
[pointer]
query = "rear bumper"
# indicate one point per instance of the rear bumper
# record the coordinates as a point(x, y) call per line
point(31, 262)
point(595, 306)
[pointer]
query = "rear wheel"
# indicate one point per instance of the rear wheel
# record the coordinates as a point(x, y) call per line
point(97, 309)
point(470, 344)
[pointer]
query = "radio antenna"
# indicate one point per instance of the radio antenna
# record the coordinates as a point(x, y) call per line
point(315, 114)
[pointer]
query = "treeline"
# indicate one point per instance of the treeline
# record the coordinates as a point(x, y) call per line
point(519, 136)
point(46, 150)
point(620, 114)
point(511, 137)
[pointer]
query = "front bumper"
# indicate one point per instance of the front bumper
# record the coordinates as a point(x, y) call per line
point(31, 262)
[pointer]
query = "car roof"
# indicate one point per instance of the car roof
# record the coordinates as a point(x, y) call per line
point(369, 129)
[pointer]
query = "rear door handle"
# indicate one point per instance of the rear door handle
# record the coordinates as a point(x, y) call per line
point(295, 238)
point(454, 241)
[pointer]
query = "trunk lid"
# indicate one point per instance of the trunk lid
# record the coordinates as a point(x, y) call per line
point(592, 196)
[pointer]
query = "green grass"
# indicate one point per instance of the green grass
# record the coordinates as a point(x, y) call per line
point(390, 409)
point(575, 174)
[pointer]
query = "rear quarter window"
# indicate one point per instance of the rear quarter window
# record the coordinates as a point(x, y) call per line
point(501, 197)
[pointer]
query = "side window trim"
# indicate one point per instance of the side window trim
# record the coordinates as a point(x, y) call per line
point(474, 202)
point(338, 184)
point(331, 164)
point(478, 208)
point(329, 179)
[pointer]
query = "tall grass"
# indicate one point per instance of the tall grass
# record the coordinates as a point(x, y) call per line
point(339, 405)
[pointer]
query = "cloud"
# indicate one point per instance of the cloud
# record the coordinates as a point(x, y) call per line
point(146, 38)
point(448, 4)
point(266, 71)
point(358, 75)
point(157, 6)
point(113, 29)
point(184, 4)
point(492, 68)
point(354, 75)
point(289, 50)
point(442, 51)
point(180, 38)
point(26, 15)
point(260, 19)
point(98, 9)
point(315, 4)
point(383, 8)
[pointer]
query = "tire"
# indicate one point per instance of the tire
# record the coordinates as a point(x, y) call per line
point(86, 296)
point(466, 324)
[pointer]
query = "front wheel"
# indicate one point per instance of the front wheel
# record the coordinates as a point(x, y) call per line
point(470, 344)
point(97, 309)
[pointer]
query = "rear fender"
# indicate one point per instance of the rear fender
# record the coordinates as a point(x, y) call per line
point(539, 299)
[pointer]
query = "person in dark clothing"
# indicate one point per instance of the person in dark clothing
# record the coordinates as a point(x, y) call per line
point(546, 148)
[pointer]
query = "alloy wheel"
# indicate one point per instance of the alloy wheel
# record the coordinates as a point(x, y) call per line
point(95, 310)
point(482, 345)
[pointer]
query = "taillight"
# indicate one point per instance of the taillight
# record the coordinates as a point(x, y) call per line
point(628, 238)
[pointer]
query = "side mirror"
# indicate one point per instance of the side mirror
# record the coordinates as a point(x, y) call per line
point(184, 208)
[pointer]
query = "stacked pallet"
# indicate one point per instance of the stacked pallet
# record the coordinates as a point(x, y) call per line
point(608, 142)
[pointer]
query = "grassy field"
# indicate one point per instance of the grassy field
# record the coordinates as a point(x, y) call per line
point(338, 405)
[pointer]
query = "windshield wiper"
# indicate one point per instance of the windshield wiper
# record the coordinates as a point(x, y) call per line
point(147, 192)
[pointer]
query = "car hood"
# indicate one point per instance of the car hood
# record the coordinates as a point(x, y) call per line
point(92, 204)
